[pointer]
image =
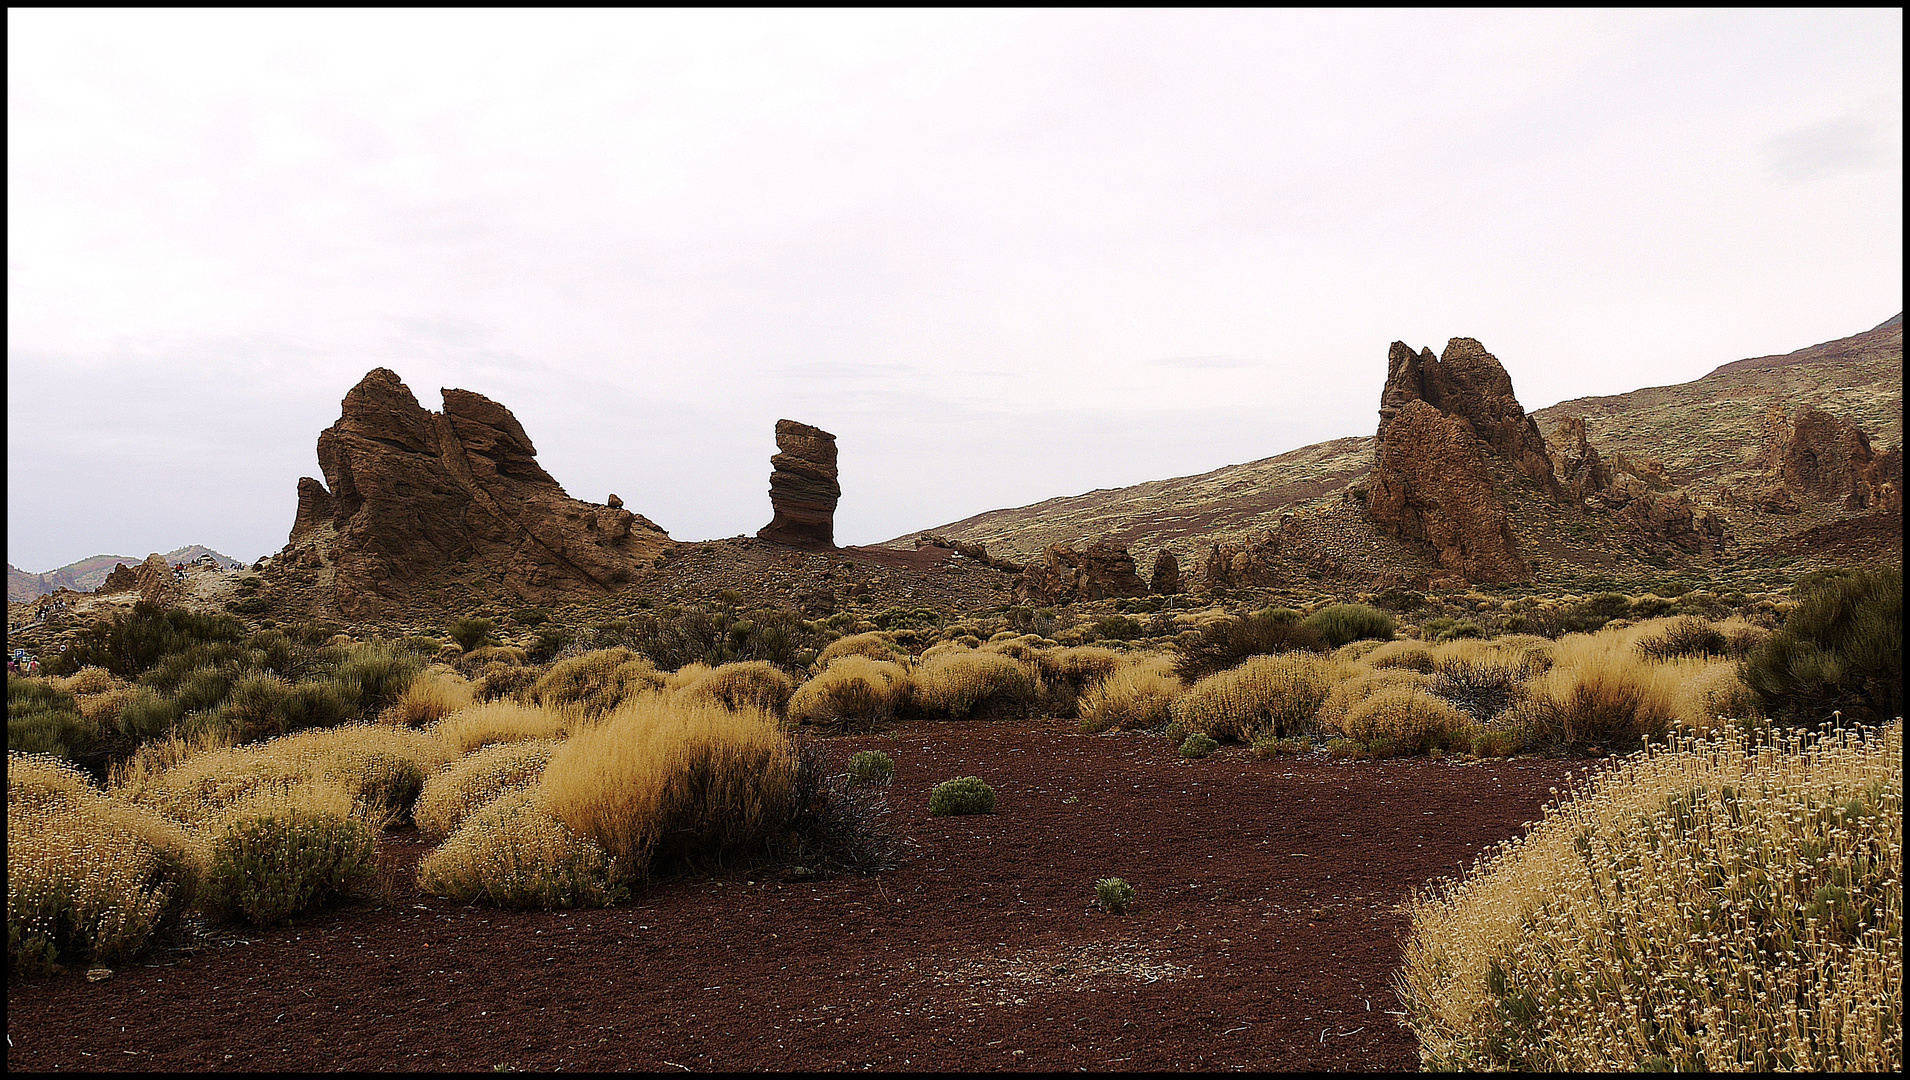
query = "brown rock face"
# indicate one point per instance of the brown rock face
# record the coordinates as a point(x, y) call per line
point(1825, 457)
point(1165, 579)
point(802, 488)
point(1469, 383)
point(1675, 520)
point(121, 579)
point(417, 497)
point(155, 580)
point(1431, 483)
point(1063, 574)
point(1581, 469)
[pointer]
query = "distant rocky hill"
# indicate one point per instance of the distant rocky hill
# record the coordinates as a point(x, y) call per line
point(88, 574)
point(1713, 472)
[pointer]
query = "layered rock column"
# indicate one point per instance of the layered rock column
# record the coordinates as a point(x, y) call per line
point(803, 490)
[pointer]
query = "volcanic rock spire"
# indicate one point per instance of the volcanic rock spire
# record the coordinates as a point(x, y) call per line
point(802, 488)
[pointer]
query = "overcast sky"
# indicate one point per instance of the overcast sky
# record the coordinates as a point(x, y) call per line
point(1003, 256)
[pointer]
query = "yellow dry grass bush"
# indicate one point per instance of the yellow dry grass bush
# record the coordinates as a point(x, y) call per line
point(433, 695)
point(88, 877)
point(854, 693)
point(1276, 696)
point(1355, 651)
point(666, 779)
point(597, 682)
point(1403, 653)
point(875, 645)
point(452, 793)
point(90, 680)
point(1358, 685)
point(1136, 696)
point(743, 684)
point(1707, 905)
point(1600, 692)
point(502, 722)
point(513, 852)
point(103, 708)
point(500, 680)
point(975, 684)
point(944, 648)
point(1401, 720)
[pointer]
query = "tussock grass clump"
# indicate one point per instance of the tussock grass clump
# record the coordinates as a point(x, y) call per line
point(597, 682)
point(1136, 696)
point(1113, 895)
point(961, 796)
point(1224, 642)
point(1400, 721)
point(666, 780)
point(1276, 696)
point(513, 852)
point(1714, 904)
point(432, 696)
point(90, 680)
point(975, 685)
point(854, 693)
point(89, 879)
point(502, 722)
point(1407, 655)
point(1068, 673)
point(496, 680)
point(875, 645)
point(740, 685)
point(457, 790)
point(1351, 692)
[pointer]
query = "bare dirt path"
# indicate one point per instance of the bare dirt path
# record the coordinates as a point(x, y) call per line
point(1264, 937)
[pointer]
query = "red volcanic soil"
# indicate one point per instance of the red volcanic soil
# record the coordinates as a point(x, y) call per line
point(1264, 936)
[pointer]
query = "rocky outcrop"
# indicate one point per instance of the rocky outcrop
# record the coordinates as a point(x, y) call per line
point(1165, 580)
point(802, 488)
point(414, 498)
point(156, 581)
point(1064, 574)
point(1581, 469)
point(1431, 484)
point(121, 579)
point(1672, 520)
point(975, 552)
point(1468, 383)
point(1822, 456)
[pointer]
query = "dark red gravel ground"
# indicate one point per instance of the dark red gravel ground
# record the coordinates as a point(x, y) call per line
point(1264, 937)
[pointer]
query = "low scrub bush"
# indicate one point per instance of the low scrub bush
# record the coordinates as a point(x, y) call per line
point(456, 791)
point(1482, 688)
point(598, 682)
point(1268, 695)
point(1068, 673)
point(852, 694)
point(502, 722)
point(871, 767)
point(1224, 644)
point(44, 719)
point(664, 781)
point(1197, 746)
point(269, 866)
point(471, 633)
point(89, 879)
point(975, 685)
point(129, 644)
point(839, 824)
point(1597, 708)
point(1135, 697)
point(1586, 616)
point(1114, 895)
point(1352, 691)
point(743, 684)
point(1400, 721)
point(1445, 629)
point(432, 696)
point(513, 852)
point(960, 796)
point(1338, 624)
point(497, 680)
point(1839, 650)
point(1405, 655)
point(372, 677)
point(875, 646)
point(1709, 905)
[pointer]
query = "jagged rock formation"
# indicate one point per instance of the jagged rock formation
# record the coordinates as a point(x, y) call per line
point(121, 579)
point(1581, 469)
point(802, 488)
point(1431, 483)
point(1826, 457)
point(418, 497)
point(1165, 580)
point(977, 552)
point(1063, 574)
point(1468, 383)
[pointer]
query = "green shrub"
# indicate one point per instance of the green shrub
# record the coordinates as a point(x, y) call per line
point(43, 719)
point(1841, 650)
point(1341, 623)
point(131, 643)
point(1197, 746)
point(371, 677)
point(1176, 731)
point(1114, 895)
point(268, 868)
point(1223, 645)
point(1119, 628)
point(963, 795)
point(471, 632)
point(1445, 629)
point(148, 714)
point(1585, 617)
point(871, 767)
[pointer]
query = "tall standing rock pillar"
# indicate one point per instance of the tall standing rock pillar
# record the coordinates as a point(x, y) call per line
point(802, 488)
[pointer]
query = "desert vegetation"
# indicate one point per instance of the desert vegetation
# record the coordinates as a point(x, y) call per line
point(173, 766)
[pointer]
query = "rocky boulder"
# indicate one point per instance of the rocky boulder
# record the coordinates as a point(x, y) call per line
point(1063, 574)
point(1165, 580)
point(414, 498)
point(156, 581)
point(1581, 469)
point(1825, 457)
point(802, 488)
point(1431, 484)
